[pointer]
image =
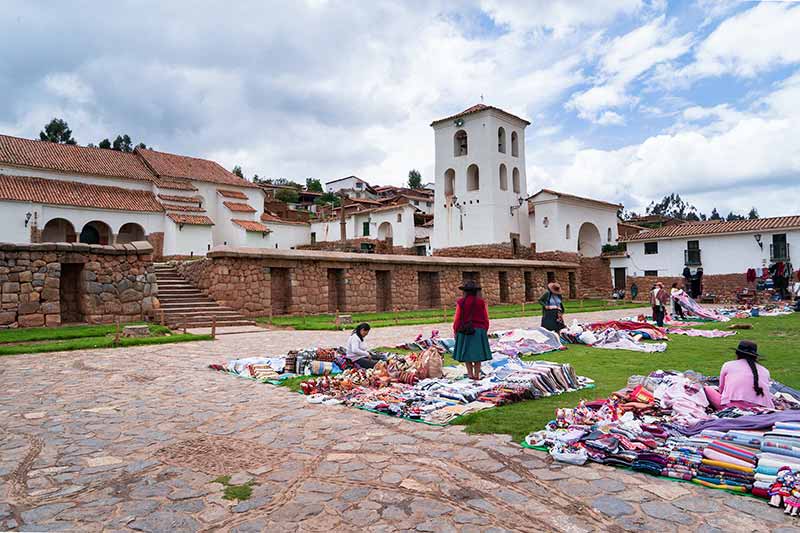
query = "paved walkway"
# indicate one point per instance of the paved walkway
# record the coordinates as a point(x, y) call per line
point(131, 439)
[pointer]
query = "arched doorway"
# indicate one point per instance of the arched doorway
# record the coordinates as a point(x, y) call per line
point(589, 243)
point(59, 230)
point(385, 231)
point(473, 178)
point(449, 182)
point(130, 232)
point(96, 232)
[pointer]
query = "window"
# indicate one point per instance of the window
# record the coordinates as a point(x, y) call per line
point(650, 248)
point(449, 182)
point(473, 178)
point(503, 178)
point(501, 140)
point(551, 277)
point(359, 185)
point(460, 144)
point(546, 222)
point(692, 253)
point(514, 144)
point(651, 273)
point(399, 217)
point(779, 249)
point(416, 202)
point(515, 179)
point(365, 230)
point(313, 237)
point(427, 204)
point(567, 232)
point(608, 235)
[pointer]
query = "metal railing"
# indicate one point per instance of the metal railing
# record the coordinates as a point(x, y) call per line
point(779, 252)
point(692, 257)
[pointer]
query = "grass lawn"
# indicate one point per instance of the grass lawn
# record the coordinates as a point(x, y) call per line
point(778, 341)
point(432, 316)
point(39, 340)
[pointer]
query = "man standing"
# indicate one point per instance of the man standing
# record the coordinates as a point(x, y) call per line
point(658, 301)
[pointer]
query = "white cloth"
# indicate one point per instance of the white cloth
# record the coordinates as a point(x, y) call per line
point(356, 348)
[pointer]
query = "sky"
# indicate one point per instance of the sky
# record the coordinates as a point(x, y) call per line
point(629, 100)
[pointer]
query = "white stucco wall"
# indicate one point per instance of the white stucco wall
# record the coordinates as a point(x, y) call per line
point(403, 233)
point(489, 202)
point(224, 230)
point(287, 236)
point(191, 240)
point(13, 216)
point(560, 212)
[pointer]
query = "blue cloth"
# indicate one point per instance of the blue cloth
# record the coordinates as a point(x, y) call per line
point(472, 348)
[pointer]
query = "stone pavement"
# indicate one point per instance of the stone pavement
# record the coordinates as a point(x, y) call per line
point(132, 439)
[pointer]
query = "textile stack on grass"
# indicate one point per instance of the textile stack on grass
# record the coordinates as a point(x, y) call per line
point(778, 470)
point(616, 335)
point(519, 342)
point(692, 308)
point(663, 425)
point(706, 333)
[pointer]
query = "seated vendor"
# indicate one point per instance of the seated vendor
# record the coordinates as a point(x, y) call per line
point(356, 349)
point(743, 382)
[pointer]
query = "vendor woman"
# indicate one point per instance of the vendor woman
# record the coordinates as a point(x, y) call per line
point(743, 382)
point(469, 327)
point(552, 308)
point(356, 349)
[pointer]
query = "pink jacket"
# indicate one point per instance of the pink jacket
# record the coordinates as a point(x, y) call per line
point(736, 384)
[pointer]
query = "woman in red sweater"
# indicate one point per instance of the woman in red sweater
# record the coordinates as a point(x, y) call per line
point(469, 327)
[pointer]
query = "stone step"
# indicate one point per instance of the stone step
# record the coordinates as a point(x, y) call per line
point(202, 304)
point(219, 324)
point(178, 291)
point(199, 313)
point(184, 300)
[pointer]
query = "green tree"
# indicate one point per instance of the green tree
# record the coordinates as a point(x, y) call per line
point(57, 131)
point(122, 143)
point(141, 146)
point(287, 195)
point(753, 214)
point(673, 206)
point(328, 198)
point(733, 216)
point(238, 171)
point(313, 185)
point(715, 215)
point(105, 144)
point(414, 179)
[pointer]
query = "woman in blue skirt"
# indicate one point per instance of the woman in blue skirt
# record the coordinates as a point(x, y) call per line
point(469, 327)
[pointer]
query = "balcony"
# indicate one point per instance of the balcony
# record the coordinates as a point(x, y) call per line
point(692, 257)
point(779, 252)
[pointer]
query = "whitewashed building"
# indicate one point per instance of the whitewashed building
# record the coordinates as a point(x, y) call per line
point(352, 187)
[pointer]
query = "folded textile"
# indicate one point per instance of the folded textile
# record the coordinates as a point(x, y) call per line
point(707, 333)
point(759, 421)
point(733, 451)
point(729, 466)
point(713, 485)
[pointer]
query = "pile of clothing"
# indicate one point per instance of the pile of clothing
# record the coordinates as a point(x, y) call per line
point(519, 342)
point(690, 306)
point(616, 335)
point(662, 424)
point(263, 369)
point(705, 333)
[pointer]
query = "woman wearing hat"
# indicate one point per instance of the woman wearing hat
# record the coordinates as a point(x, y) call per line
point(743, 382)
point(470, 326)
point(552, 308)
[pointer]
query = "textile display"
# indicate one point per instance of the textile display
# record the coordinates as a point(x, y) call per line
point(518, 342)
point(615, 335)
point(693, 308)
point(706, 333)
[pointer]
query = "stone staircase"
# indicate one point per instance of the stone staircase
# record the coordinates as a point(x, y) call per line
point(184, 305)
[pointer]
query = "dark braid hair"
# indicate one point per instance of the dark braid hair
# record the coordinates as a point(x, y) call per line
point(752, 364)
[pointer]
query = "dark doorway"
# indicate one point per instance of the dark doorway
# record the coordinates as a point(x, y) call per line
point(336, 290)
point(551, 277)
point(502, 277)
point(573, 289)
point(474, 276)
point(70, 292)
point(619, 279)
point(383, 290)
point(428, 293)
point(281, 290)
point(530, 295)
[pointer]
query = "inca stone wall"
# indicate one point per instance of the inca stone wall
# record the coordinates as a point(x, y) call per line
point(242, 280)
point(723, 286)
point(53, 283)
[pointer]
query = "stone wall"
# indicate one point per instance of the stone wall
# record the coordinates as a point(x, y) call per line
point(156, 240)
point(53, 283)
point(354, 246)
point(723, 286)
point(492, 251)
point(242, 280)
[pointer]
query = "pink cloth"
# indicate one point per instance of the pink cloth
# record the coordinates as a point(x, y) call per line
point(736, 384)
point(715, 399)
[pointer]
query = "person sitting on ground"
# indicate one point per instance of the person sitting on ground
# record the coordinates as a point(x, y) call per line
point(552, 308)
point(677, 310)
point(356, 349)
point(658, 301)
point(743, 382)
point(469, 327)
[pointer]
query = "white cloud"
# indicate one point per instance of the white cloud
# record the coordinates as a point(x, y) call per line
point(68, 86)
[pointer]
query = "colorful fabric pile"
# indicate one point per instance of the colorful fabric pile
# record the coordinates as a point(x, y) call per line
point(615, 335)
point(519, 342)
point(690, 306)
point(706, 333)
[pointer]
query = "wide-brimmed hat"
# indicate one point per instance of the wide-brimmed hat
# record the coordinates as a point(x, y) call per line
point(747, 349)
point(660, 285)
point(470, 285)
point(554, 287)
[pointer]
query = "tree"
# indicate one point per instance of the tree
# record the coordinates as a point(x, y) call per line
point(414, 179)
point(313, 185)
point(753, 214)
point(238, 171)
point(733, 216)
point(714, 215)
point(105, 143)
point(141, 146)
point(328, 198)
point(288, 195)
point(672, 206)
point(57, 131)
point(122, 143)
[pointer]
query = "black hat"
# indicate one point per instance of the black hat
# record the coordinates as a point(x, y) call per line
point(747, 349)
point(470, 285)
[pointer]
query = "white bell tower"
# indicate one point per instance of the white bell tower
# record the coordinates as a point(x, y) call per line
point(481, 187)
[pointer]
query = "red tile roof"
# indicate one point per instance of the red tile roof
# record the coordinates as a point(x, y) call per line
point(183, 199)
point(232, 194)
point(181, 166)
point(477, 108)
point(184, 208)
point(267, 217)
point(72, 158)
point(251, 225)
point(177, 185)
point(697, 229)
point(57, 192)
point(239, 207)
point(574, 197)
point(196, 220)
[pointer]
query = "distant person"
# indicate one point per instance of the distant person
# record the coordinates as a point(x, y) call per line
point(634, 291)
point(677, 310)
point(552, 308)
point(356, 349)
point(470, 327)
point(743, 382)
point(658, 301)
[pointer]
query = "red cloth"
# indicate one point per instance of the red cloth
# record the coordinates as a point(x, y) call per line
point(750, 277)
point(471, 306)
